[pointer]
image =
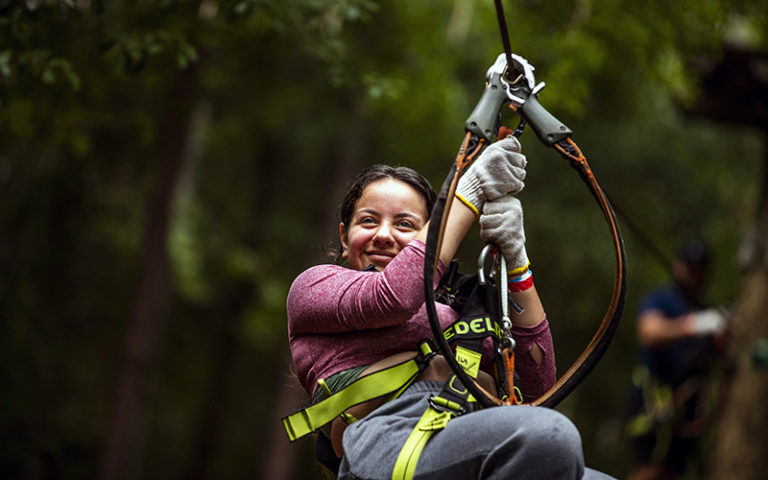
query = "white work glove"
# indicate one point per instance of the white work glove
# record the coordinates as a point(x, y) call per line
point(705, 322)
point(499, 170)
point(501, 223)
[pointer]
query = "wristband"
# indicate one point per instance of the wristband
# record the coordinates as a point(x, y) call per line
point(520, 270)
point(522, 282)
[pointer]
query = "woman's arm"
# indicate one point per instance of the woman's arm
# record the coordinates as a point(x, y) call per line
point(334, 299)
point(534, 358)
point(533, 310)
point(460, 220)
point(534, 353)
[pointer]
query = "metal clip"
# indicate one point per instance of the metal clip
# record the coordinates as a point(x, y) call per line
point(503, 286)
point(481, 262)
point(522, 86)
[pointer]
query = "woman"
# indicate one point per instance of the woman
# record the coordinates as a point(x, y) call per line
point(345, 323)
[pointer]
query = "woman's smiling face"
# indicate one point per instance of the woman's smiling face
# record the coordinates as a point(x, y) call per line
point(385, 219)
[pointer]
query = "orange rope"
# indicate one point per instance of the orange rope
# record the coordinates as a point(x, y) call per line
point(463, 158)
point(509, 366)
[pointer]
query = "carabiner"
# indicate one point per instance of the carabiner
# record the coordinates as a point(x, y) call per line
point(503, 286)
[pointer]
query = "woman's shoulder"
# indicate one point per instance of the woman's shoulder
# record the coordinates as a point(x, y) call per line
point(318, 273)
point(312, 284)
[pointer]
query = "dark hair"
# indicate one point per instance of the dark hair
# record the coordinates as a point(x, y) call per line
point(380, 172)
point(695, 253)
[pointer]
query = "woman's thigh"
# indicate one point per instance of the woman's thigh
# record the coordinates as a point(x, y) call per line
point(518, 442)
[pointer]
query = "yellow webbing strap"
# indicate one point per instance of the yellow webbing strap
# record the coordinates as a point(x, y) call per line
point(436, 417)
point(431, 421)
point(380, 383)
point(658, 402)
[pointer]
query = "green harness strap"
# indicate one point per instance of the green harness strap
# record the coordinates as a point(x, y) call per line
point(430, 422)
point(390, 381)
point(658, 402)
point(451, 402)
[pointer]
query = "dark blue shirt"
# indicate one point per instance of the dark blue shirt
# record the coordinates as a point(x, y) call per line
point(676, 361)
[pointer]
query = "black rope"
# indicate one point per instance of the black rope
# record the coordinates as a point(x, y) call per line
point(431, 258)
point(503, 31)
point(664, 261)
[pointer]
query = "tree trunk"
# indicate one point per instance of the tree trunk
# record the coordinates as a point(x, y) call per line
point(147, 320)
point(200, 466)
point(741, 442)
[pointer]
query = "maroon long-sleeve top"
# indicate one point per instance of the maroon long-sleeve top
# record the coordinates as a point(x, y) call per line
point(340, 318)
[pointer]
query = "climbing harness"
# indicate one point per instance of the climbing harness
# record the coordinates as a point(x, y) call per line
point(391, 381)
point(662, 411)
point(476, 300)
point(483, 315)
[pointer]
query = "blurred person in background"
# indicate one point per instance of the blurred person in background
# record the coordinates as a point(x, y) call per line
point(678, 341)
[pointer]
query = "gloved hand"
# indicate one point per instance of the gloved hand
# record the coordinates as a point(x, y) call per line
point(705, 322)
point(499, 170)
point(502, 224)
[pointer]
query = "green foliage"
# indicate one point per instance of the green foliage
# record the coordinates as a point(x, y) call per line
point(292, 98)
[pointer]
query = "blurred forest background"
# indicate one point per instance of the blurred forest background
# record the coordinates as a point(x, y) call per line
point(168, 167)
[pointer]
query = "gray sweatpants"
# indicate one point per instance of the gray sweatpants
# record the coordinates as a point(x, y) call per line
point(519, 442)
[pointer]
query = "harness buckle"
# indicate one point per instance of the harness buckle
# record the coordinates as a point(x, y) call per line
point(427, 352)
point(444, 405)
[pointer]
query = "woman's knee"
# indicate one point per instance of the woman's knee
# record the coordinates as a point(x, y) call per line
point(538, 441)
point(526, 427)
point(550, 431)
point(551, 437)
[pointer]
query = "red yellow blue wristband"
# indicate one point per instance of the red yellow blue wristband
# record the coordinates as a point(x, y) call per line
point(516, 272)
point(521, 282)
